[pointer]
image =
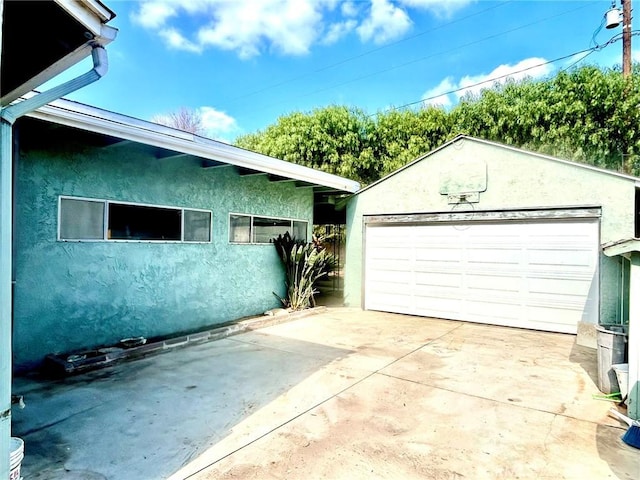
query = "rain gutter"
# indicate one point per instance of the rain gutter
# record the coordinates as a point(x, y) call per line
point(8, 115)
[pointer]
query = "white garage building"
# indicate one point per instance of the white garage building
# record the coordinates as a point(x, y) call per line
point(482, 232)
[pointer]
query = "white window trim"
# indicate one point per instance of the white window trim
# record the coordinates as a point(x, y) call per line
point(105, 225)
point(251, 217)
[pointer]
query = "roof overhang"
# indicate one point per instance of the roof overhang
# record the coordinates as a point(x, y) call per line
point(92, 119)
point(47, 40)
point(621, 247)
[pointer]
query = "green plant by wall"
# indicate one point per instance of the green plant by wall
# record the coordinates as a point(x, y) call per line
point(304, 264)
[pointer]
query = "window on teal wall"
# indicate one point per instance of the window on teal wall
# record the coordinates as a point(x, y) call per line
point(86, 219)
point(254, 229)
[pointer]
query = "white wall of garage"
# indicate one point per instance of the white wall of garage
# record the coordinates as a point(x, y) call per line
point(515, 180)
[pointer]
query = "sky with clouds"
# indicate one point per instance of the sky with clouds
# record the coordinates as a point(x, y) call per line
point(243, 63)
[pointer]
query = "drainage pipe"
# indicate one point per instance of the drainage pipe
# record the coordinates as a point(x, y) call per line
point(8, 116)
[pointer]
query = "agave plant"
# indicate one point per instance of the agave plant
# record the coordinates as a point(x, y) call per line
point(304, 264)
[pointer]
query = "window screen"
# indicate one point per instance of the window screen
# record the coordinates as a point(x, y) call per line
point(240, 229)
point(197, 226)
point(300, 230)
point(81, 219)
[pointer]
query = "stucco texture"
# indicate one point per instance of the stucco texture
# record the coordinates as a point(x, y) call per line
point(515, 179)
point(71, 295)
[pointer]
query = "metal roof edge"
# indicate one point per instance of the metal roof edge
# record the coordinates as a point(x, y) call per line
point(93, 119)
point(91, 13)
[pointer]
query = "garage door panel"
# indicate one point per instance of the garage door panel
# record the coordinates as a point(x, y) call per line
point(438, 307)
point(560, 258)
point(534, 274)
point(437, 279)
point(577, 286)
point(493, 283)
point(425, 254)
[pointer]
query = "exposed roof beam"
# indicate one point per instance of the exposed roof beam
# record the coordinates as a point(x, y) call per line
point(213, 164)
point(277, 178)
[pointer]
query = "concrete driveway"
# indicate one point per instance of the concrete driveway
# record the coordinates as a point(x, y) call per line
point(341, 394)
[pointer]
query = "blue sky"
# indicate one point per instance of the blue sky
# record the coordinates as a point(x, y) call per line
point(244, 63)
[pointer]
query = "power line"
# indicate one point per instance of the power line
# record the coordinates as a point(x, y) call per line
point(494, 79)
point(421, 59)
point(363, 54)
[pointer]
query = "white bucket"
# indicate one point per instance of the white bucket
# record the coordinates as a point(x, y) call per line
point(15, 457)
point(622, 374)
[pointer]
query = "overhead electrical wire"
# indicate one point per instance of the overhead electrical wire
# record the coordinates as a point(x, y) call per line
point(366, 53)
point(421, 59)
point(588, 52)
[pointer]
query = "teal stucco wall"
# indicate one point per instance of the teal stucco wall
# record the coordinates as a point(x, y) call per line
point(71, 295)
point(515, 179)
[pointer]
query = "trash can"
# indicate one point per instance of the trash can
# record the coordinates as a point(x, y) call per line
point(612, 349)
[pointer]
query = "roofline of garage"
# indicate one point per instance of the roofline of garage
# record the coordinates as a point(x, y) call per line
point(459, 138)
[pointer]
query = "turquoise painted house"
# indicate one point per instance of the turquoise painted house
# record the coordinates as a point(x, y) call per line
point(127, 228)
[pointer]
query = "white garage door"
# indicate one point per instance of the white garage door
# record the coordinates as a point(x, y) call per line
point(539, 274)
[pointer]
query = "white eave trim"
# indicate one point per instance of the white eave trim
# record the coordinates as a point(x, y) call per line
point(85, 117)
point(507, 147)
point(585, 166)
point(621, 247)
point(91, 13)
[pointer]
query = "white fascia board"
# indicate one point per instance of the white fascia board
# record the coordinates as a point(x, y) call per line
point(621, 247)
point(585, 166)
point(90, 13)
point(95, 120)
point(506, 147)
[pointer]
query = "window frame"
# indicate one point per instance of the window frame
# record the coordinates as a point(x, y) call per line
point(251, 227)
point(105, 221)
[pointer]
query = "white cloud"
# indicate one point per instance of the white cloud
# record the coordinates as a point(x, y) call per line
point(154, 14)
point(337, 31)
point(437, 96)
point(385, 22)
point(441, 8)
point(289, 27)
point(349, 9)
point(530, 67)
point(174, 39)
point(248, 27)
point(217, 124)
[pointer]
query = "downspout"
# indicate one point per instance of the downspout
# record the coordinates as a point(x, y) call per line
point(8, 116)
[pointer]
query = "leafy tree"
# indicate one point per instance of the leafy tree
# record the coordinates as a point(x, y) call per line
point(334, 139)
point(587, 114)
point(401, 136)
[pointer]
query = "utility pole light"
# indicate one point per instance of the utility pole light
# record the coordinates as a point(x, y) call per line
point(613, 18)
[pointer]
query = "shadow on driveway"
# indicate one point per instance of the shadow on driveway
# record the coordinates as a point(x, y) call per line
point(145, 419)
